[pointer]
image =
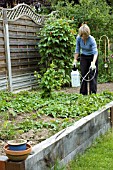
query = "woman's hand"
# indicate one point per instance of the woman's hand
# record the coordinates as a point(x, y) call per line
point(93, 66)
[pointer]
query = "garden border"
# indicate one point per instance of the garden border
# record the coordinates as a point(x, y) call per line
point(66, 144)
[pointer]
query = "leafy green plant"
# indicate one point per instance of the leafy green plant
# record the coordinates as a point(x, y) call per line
point(57, 43)
point(7, 130)
point(56, 46)
point(61, 109)
point(52, 79)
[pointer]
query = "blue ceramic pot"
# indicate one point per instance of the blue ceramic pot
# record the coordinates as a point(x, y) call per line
point(17, 145)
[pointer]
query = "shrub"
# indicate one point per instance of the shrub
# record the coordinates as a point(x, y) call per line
point(56, 46)
point(97, 14)
point(57, 43)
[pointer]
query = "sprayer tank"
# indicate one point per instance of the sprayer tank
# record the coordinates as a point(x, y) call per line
point(75, 78)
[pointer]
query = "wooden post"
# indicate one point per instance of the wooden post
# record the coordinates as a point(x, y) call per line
point(3, 160)
point(15, 165)
point(6, 164)
point(7, 49)
point(111, 116)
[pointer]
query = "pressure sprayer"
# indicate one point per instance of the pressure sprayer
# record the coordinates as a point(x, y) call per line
point(75, 77)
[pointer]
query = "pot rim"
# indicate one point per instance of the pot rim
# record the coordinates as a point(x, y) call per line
point(17, 142)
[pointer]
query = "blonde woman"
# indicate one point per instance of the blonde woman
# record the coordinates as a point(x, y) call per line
point(87, 48)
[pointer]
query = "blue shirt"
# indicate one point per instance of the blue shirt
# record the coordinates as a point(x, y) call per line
point(88, 48)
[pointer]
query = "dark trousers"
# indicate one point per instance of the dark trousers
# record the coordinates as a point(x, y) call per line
point(85, 63)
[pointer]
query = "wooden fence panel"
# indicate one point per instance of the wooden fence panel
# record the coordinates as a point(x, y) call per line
point(23, 52)
point(18, 54)
point(3, 67)
point(2, 52)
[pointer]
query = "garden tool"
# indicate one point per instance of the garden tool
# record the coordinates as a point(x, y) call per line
point(75, 77)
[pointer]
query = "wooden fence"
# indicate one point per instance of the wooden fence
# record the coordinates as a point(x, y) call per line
point(18, 54)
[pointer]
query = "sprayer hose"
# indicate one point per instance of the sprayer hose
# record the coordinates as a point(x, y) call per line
point(83, 78)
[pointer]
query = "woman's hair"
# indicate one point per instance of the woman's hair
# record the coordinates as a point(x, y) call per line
point(84, 29)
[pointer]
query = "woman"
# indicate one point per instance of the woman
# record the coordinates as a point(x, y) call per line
point(87, 48)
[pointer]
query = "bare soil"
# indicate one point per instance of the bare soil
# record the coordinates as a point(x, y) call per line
point(36, 137)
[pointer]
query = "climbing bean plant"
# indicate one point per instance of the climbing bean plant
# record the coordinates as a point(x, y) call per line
point(56, 47)
point(57, 43)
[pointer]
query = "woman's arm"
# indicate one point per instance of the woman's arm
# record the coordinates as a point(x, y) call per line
point(95, 58)
point(94, 49)
point(76, 57)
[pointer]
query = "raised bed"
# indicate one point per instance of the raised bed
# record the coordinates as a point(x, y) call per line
point(66, 144)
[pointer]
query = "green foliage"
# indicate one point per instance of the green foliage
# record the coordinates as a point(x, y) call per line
point(65, 109)
point(105, 68)
point(57, 43)
point(7, 130)
point(95, 13)
point(52, 79)
point(56, 46)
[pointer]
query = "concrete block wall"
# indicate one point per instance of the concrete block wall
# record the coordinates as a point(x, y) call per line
point(66, 144)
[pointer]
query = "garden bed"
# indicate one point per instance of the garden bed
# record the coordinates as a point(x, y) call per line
point(17, 109)
point(44, 122)
point(66, 144)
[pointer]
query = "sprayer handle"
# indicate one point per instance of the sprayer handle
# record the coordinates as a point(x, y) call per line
point(74, 63)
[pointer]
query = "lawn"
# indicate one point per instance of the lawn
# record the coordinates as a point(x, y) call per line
point(98, 157)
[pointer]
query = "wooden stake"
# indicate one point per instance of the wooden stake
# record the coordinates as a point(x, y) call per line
point(111, 116)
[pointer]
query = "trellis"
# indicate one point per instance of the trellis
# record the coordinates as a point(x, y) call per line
point(18, 54)
point(105, 39)
point(106, 48)
point(24, 10)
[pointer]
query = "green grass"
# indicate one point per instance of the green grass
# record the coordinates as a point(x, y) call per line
point(98, 157)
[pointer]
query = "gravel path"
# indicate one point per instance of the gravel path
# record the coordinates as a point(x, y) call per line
point(100, 88)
